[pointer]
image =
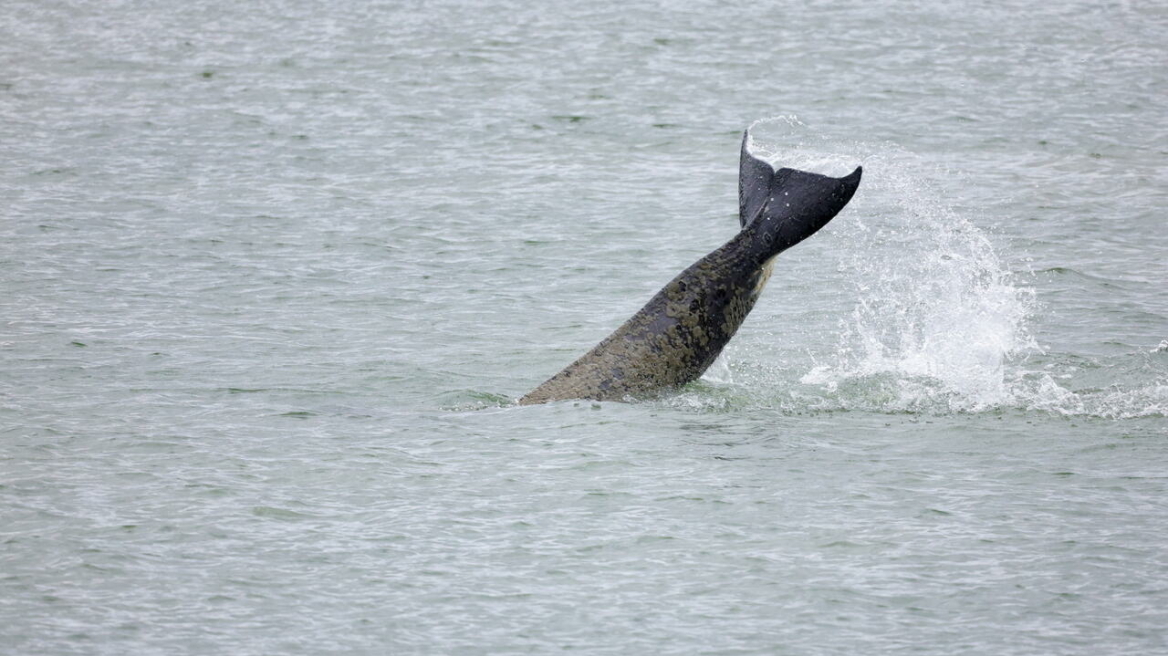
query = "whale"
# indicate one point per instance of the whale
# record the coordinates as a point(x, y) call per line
point(679, 333)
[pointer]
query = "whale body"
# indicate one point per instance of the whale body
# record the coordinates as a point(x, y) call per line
point(682, 329)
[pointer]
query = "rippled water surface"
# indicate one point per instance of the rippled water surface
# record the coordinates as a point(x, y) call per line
point(273, 274)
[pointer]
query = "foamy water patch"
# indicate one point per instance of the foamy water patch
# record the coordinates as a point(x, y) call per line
point(1127, 386)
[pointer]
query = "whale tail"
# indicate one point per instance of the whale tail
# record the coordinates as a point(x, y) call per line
point(795, 204)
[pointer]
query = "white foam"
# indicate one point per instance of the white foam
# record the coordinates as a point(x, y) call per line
point(719, 372)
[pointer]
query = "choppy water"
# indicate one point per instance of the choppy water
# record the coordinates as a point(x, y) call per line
point(272, 275)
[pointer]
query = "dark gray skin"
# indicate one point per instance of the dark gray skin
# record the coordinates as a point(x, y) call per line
point(680, 331)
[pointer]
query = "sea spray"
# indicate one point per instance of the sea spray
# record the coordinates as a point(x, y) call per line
point(938, 319)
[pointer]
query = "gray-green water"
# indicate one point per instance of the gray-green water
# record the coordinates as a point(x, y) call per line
point(272, 275)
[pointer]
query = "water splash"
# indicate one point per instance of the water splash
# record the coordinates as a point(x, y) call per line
point(938, 316)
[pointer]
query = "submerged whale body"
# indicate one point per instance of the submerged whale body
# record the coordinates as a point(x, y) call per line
point(680, 331)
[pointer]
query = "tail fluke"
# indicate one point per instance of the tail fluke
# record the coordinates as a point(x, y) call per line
point(794, 204)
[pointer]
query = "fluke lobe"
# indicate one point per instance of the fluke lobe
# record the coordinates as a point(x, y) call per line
point(681, 330)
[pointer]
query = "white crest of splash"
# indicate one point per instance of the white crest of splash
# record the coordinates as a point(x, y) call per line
point(833, 164)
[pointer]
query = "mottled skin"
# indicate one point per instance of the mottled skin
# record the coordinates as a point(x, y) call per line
point(680, 332)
